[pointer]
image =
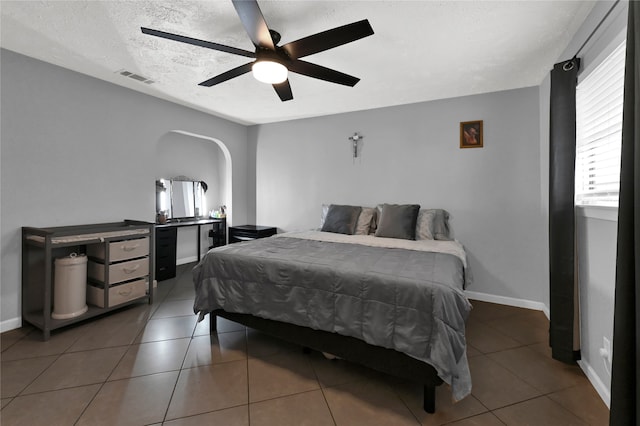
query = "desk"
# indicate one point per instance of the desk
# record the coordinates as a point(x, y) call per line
point(166, 242)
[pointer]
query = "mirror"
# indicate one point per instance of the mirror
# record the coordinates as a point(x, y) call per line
point(182, 199)
point(179, 199)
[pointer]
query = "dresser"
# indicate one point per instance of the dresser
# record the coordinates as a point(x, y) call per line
point(250, 232)
point(118, 272)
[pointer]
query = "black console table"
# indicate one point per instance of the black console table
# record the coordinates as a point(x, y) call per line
point(250, 232)
point(166, 238)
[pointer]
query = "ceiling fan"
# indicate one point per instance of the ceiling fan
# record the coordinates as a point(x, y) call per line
point(272, 62)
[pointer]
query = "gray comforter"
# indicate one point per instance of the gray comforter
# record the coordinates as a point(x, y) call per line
point(410, 301)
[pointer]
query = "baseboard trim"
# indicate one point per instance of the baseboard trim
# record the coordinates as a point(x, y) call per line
point(10, 324)
point(509, 301)
point(597, 384)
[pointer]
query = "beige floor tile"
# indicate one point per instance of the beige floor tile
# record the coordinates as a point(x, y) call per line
point(471, 351)
point(174, 308)
point(236, 416)
point(17, 375)
point(528, 328)
point(137, 401)
point(202, 327)
point(302, 409)
point(139, 313)
point(32, 345)
point(108, 332)
point(162, 290)
point(486, 419)
point(150, 358)
point(361, 403)
point(211, 349)
point(61, 407)
point(487, 339)
point(546, 375)
point(584, 402)
point(260, 345)
point(542, 348)
point(182, 292)
point(495, 386)
point(77, 369)
point(280, 375)
point(4, 402)
point(446, 410)
point(208, 388)
point(538, 411)
point(9, 338)
point(167, 328)
point(337, 371)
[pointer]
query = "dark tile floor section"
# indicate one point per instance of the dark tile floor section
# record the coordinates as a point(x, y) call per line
point(153, 365)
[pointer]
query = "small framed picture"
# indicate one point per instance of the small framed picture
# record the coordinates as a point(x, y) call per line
point(471, 134)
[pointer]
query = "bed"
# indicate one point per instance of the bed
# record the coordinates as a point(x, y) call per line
point(388, 295)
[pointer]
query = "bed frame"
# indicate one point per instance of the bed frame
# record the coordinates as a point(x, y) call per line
point(388, 361)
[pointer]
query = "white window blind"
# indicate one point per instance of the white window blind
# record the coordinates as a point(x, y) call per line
point(599, 99)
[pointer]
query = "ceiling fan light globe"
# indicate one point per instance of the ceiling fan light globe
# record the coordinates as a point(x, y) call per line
point(269, 72)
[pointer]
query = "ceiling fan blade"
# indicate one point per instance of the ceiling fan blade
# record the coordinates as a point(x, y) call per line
point(220, 78)
point(284, 91)
point(328, 39)
point(322, 73)
point(197, 42)
point(254, 23)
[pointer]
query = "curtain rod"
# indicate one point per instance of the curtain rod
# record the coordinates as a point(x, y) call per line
point(596, 28)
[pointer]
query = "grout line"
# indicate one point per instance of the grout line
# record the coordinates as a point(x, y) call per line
point(324, 396)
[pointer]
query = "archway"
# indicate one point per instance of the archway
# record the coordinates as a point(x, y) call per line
point(184, 153)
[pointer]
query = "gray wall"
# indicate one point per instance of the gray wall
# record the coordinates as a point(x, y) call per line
point(411, 154)
point(77, 150)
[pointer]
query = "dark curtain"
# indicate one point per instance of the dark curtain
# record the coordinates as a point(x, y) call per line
point(625, 377)
point(562, 157)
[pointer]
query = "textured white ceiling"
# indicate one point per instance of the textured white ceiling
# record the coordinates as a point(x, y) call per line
point(421, 50)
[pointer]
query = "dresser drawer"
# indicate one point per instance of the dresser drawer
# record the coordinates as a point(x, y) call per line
point(117, 294)
point(119, 272)
point(120, 250)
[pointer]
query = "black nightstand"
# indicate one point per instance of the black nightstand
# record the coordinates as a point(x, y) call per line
point(250, 232)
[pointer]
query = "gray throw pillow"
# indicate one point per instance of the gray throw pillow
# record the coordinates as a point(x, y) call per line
point(341, 219)
point(433, 224)
point(441, 225)
point(398, 221)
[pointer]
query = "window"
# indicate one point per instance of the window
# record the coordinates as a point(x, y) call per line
point(599, 98)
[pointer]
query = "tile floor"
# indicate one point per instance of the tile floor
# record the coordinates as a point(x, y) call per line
point(153, 365)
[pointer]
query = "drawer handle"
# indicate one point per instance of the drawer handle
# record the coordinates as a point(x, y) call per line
point(130, 270)
point(125, 292)
point(130, 248)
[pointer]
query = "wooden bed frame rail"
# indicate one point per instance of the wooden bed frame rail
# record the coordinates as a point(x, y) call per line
point(385, 360)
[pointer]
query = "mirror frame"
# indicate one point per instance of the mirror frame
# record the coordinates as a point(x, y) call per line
point(165, 198)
